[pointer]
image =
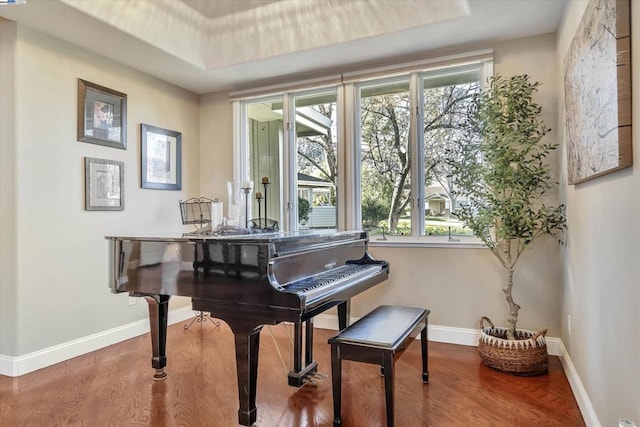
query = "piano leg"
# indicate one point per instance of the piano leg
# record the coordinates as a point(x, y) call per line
point(344, 312)
point(158, 311)
point(247, 348)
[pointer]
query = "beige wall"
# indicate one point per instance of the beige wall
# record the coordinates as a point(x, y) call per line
point(53, 286)
point(59, 284)
point(458, 285)
point(601, 267)
point(461, 285)
point(216, 146)
point(7, 189)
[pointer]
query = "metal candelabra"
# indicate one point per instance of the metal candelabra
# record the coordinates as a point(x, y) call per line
point(265, 184)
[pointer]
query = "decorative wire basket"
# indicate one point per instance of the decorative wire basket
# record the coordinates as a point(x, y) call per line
point(196, 211)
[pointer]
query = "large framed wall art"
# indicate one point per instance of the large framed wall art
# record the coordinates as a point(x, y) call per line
point(597, 86)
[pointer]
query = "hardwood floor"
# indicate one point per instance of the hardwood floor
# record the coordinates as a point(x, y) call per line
point(114, 387)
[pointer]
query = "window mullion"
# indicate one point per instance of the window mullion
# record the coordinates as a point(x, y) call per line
point(349, 158)
point(289, 206)
point(241, 145)
point(416, 150)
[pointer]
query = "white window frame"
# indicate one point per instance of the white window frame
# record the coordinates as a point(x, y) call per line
point(348, 148)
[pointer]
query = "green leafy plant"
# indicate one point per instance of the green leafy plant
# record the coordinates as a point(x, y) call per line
point(373, 211)
point(304, 209)
point(500, 172)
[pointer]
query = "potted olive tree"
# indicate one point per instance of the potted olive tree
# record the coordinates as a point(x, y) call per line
point(500, 173)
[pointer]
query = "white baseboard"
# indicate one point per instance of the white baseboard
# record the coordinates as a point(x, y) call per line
point(20, 365)
point(16, 366)
point(445, 334)
point(584, 403)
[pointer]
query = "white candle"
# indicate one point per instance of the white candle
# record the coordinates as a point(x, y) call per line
point(247, 184)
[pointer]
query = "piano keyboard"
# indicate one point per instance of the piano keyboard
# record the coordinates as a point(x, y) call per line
point(315, 286)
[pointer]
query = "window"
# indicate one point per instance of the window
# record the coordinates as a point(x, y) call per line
point(317, 160)
point(363, 153)
point(445, 101)
point(385, 174)
point(303, 156)
point(264, 139)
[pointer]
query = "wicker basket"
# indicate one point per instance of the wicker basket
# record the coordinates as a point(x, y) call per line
point(526, 355)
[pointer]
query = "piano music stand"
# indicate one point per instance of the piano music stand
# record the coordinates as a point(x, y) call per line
point(197, 211)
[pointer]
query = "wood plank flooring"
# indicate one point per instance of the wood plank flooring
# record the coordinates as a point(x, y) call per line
point(114, 387)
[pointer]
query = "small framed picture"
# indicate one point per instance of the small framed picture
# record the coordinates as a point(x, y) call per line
point(102, 115)
point(161, 158)
point(104, 185)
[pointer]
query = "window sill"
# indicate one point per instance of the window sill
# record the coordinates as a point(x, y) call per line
point(426, 242)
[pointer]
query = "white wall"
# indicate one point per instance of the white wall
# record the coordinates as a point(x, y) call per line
point(59, 283)
point(602, 264)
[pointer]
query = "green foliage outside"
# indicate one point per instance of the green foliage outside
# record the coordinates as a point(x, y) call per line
point(500, 167)
point(373, 212)
point(304, 209)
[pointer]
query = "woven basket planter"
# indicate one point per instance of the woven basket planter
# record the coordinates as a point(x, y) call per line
point(526, 355)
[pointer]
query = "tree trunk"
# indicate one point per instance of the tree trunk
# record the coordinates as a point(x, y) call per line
point(513, 307)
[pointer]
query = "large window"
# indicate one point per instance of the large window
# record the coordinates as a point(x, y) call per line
point(363, 153)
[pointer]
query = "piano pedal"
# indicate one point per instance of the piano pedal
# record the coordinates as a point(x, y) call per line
point(312, 378)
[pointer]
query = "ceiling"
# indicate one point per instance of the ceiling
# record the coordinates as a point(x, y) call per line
point(213, 45)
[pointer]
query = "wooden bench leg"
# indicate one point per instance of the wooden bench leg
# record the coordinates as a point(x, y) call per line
point(388, 385)
point(336, 381)
point(425, 354)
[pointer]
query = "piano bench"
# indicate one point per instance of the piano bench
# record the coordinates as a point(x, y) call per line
point(380, 337)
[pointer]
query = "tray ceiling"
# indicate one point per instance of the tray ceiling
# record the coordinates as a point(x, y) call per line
point(212, 45)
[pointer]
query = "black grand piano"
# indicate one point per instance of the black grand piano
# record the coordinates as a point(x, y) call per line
point(248, 281)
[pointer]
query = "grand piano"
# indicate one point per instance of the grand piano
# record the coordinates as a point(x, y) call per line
point(248, 281)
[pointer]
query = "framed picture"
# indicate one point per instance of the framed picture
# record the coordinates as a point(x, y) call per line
point(102, 115)
point(104, 185)
point(597, 85)
point(161, 158)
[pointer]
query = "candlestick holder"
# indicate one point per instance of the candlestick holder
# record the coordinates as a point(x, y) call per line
point(247, 186)
point(263, 225)
point(265, 184)
point(259, 200)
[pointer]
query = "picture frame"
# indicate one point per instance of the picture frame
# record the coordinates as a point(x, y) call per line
point(161, 159)
point(598, 110)
point(104, 184)
point(102, 115)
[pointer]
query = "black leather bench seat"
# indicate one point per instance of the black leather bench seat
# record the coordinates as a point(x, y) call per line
point(379, 337)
